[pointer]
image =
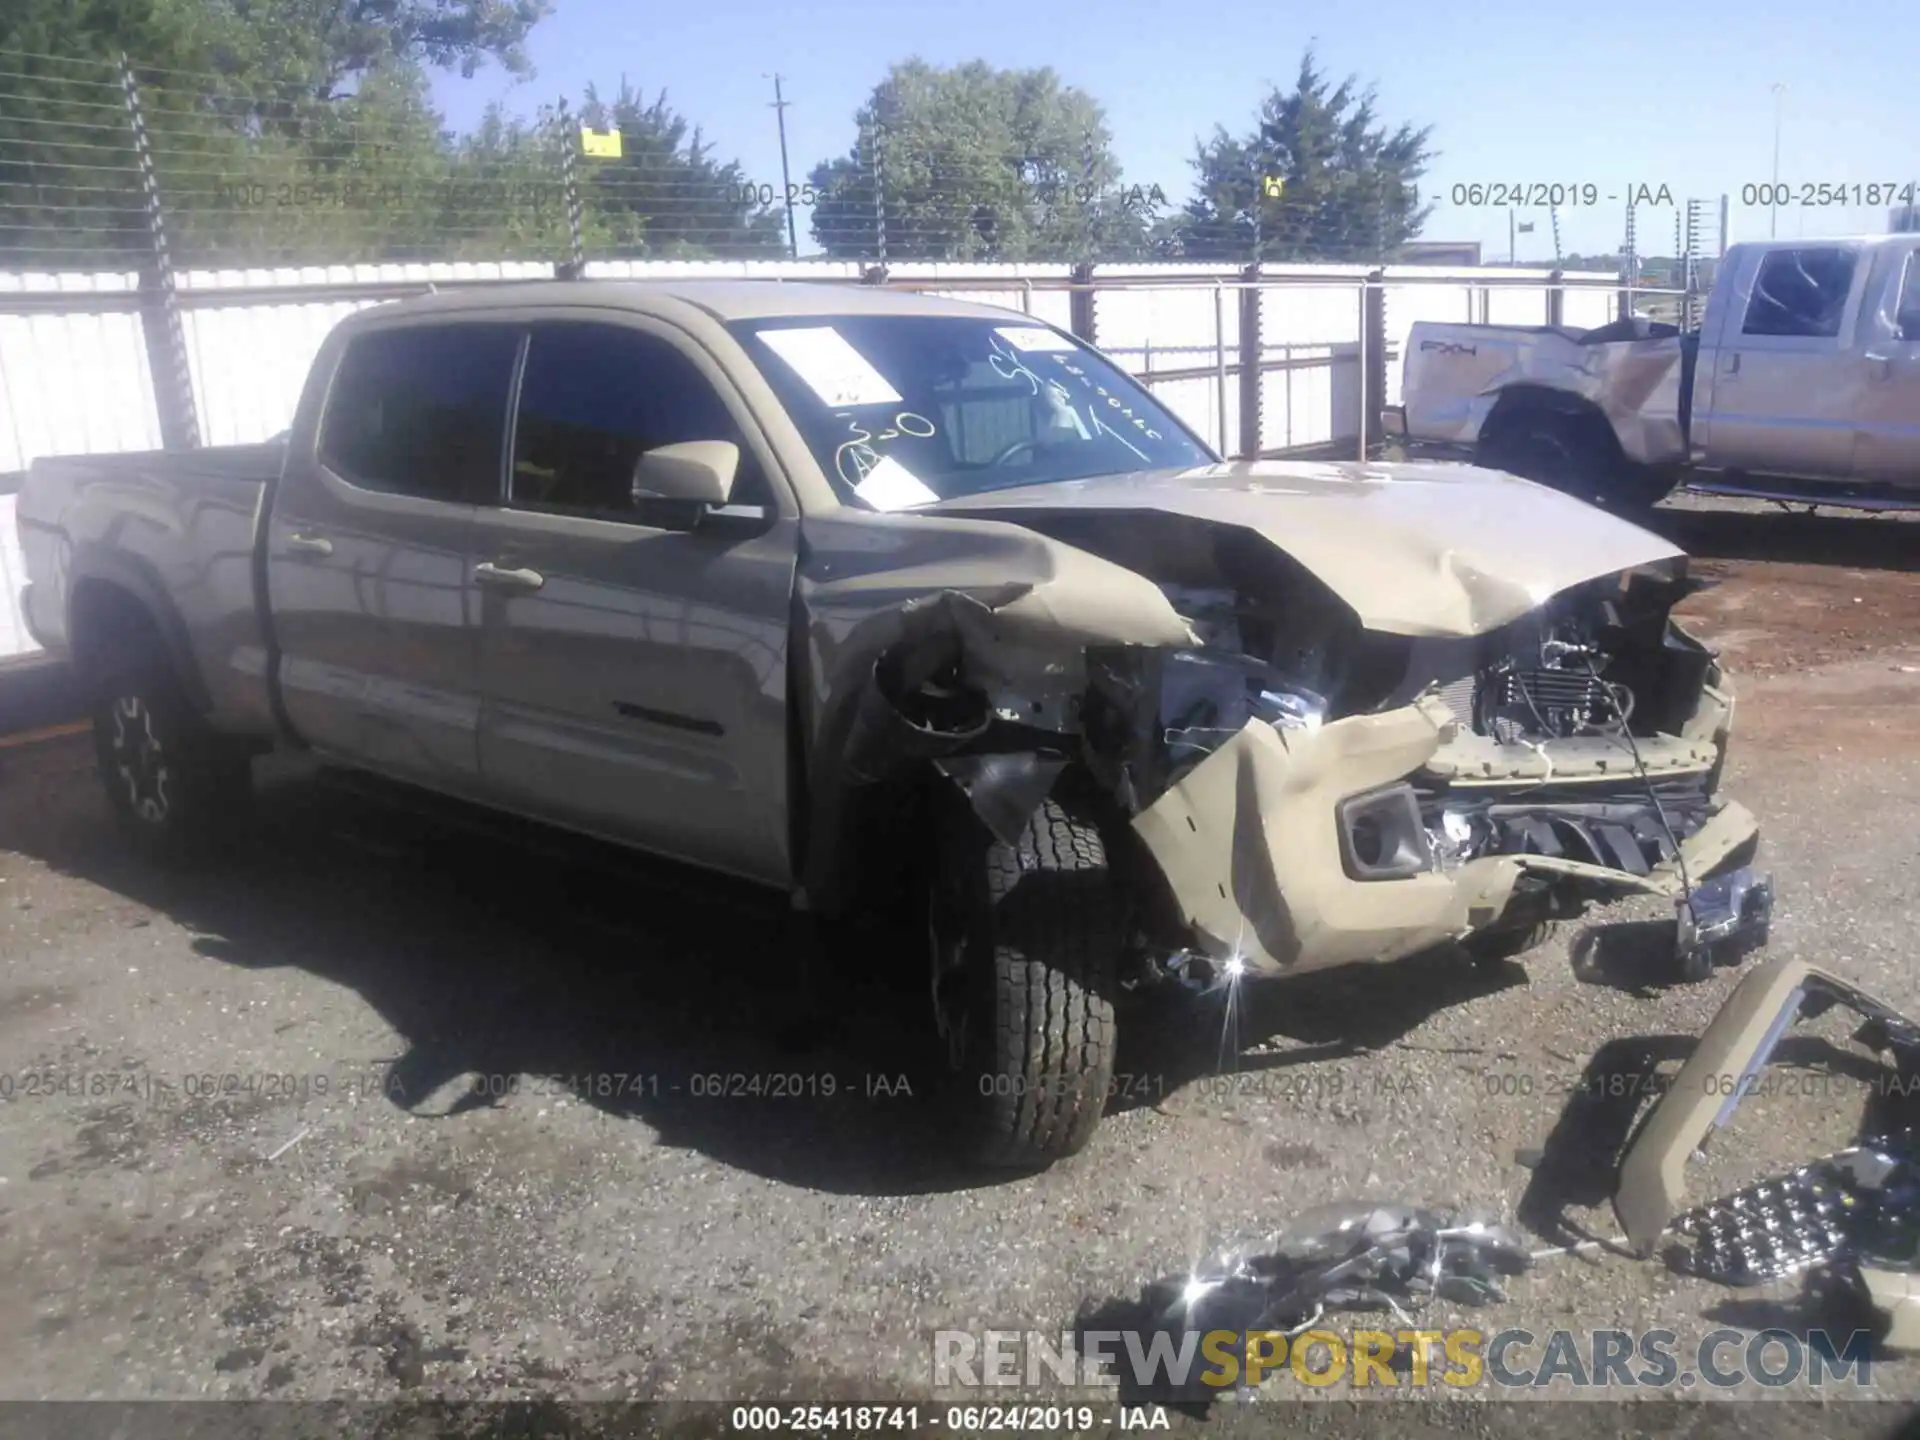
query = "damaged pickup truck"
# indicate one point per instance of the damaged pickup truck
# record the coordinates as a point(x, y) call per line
point(1802, 384)
point(862, 596)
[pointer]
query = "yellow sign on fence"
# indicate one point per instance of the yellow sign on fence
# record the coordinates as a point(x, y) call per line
point(601, 144)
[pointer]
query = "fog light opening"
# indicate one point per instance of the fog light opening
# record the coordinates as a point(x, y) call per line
point(1382, 835)
point(1369, 844)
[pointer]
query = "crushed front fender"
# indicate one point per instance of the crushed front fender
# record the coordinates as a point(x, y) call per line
point(1251, 850)
point(1247, 842)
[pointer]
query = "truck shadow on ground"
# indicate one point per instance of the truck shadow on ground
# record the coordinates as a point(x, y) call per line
point(1347, 1013)
point(503, 954)
point(1862, 541)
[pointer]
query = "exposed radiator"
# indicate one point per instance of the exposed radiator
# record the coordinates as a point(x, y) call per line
point(1459, 699)
point(1555, 690)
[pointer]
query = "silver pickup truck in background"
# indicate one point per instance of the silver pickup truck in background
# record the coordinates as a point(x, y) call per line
point(880, 600)
point(1802, 384)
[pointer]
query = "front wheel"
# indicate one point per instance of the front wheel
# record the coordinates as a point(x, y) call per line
point(1025, 944)
point(177, 787)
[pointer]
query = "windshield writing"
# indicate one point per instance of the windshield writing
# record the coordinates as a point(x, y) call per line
point(905, 410)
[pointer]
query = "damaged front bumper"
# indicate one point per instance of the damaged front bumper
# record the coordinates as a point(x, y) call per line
point(1289, 850)
point(1856, 1211)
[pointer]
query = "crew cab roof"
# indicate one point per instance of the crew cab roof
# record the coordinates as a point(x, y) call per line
point(723, 300)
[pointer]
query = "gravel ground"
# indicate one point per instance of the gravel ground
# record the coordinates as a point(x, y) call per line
point(460, 1150)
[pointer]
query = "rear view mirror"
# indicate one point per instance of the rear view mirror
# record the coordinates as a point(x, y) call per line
point(695, 471)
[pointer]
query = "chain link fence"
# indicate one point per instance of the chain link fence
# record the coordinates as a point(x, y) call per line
point(249, 174)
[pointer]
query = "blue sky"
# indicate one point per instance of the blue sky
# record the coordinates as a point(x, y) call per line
point(1678, 96)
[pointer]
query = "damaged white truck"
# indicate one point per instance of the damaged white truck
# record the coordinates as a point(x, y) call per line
point(862, 595)
point(1801, 385)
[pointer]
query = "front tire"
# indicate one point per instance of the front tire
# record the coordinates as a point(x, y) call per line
point(178, 788)
point(1026, 940)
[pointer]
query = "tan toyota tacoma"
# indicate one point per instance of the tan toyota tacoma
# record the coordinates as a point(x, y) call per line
point(858, 594)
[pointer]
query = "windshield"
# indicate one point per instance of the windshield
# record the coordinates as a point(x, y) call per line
point(904, 410)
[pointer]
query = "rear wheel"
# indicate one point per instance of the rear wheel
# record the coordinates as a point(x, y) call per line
point(1025, 943)
point(177, 787)
point(1576, 454)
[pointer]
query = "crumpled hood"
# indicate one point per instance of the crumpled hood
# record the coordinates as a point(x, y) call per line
point(1414, 549)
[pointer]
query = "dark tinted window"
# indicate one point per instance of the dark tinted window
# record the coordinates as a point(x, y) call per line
point(422, 411)
point(1800, 292)
point(593, 398)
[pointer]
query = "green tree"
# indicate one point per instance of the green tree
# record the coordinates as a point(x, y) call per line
point(68, 191)
point(1320, 177)
point(267, 119)
point(974, 163)
point(668, 195)
point(328, 45)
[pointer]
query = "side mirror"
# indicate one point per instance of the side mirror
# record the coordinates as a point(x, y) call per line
point(698, 472)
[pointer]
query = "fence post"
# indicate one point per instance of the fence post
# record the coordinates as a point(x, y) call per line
point(1557, 298)
point(575, 265)
point(1629, 265)
point(1373, 374)
point(879, 194)
point(1251, 353)
point(1080, 306)
point(160, 326)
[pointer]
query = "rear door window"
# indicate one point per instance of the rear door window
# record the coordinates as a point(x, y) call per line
point(1801, 293)
point(422, 411)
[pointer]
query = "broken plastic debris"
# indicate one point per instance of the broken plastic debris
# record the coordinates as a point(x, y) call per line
point(1859, 1204)
point(832, 368)
point(1722, 919)
point(1350, 1255)
point(891, 486)
point(1854, 1214)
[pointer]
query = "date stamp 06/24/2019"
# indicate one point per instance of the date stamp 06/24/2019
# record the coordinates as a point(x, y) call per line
point(373, 1080)
point(1779, 194)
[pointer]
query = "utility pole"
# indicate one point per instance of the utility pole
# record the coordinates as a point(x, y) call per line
point(780, 103)
point(1773, 210)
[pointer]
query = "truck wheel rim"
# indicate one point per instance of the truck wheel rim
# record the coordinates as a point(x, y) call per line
point(140, 759)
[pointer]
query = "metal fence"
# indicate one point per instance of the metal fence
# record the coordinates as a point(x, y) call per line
point(100, 160)
point(173, 248)
point(1275, 361)
point(1263, 360)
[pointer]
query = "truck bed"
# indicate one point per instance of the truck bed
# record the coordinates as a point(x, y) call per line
point(175, 528)
point(1456, 373)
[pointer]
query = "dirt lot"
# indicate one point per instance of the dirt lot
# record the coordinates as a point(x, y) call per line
point(465, 1146)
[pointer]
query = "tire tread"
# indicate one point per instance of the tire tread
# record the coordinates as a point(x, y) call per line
point(1054, 940)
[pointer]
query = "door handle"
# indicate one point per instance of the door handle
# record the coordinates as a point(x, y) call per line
point(1733, 363)
point(487, 573)
point(298, 544)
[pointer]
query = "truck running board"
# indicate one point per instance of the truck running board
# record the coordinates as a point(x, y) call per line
point(1848, 497)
